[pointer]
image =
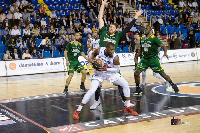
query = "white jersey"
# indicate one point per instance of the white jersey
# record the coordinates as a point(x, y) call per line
point(108, 63)
point(94, 44)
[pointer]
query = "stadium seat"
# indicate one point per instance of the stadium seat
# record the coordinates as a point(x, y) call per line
point(61, 13)
point(51, 7)
point(56, 54)
point(4, 7)
point(35, 2)
point(65, 1)
point(137, 7)
point(46, 19)
point(2, 48)
point(54, 2)
point(185, 35)
point(119, 50)
point(67, 13)
point(2, 55)
point(70, 7)
point(148, 18)
point(162, 27)
point(148, 13)
point(163, 31)
point(37, 7)
point(81, 6)
point(48, 2)
point(90, 25)
point(148, 7)
point(63, 7)
point(76, 7)
point(171, 7)
point(46, 54)
point(60, 2)
point(158, 12)
point(38, 41)
point(57, 7)
point(184, 30)
point(77, 1)
point(71, 2)
point(153, 12)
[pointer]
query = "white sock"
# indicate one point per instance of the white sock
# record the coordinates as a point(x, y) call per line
point(144, 75)
point(157, 75)
point(79, 108)
point(88, 67)
point(127, 103)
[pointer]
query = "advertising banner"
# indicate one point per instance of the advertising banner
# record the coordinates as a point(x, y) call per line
point(2, 68)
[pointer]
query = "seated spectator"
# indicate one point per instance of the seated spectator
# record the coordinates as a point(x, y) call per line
point(42, 11)
point(76, 21)
point(13, 8)
point(63, 22)
point(21, 45)
point(30, 10)
point(15, 55)
point(5, 33)
point(159, 4)
point(9, 15)
point(53, 33)
point(12, 44)
point(62, 32)
point(94, 28)
point(105, 20)
point(17, 15)
point(57, 23)
point(53, 15)
point(25, 15)
point(160, 21)
point(87, 30)
point(92, 16)
point(38, 22)
point(154, 5)
point(181, 4)
point(43, 22)
point(44, 31)
point(45, 44)
point(7, 56)
point(126, 19)
point(35, 32)
point(195, 4)
point(60, 43)
point(181, 20)
point(17, 3)
point(78, 28)
point(6, 23)
point(22, 24)
point(119, 28)
point(165, 20)
point(195, 19)
point(31, 43)
point(2, 17)
point(177, 43)
point(127, 13)
point(175, 35)
point(171, 21)
point(70, 21)
point(50, 22)
point(35, 55)
point(71, 30)
point(29, 23)
point(15, 32)
point(26, 55)
point(197, 45)
point(189, 3)
point(172, 42)
point(125, 41)
point(24, 2)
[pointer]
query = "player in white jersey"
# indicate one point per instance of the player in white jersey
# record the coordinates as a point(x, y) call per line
point(93, 44)
point(108, 72)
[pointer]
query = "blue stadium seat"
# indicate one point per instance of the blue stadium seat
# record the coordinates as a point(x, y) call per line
point(157, 12)
point(167, 7)
point(35, 2)
point(137, 7)
point(81, 6)
point(148, 18)
point(162, 27)
point(60, 2)
point(56, 54)
point(162, 12)
point(57, 7)
point(148, 7)
point(148, 13)
point(38, 41)
point(181, 26)
point(54, 2)
point(71, 1)
point(65, 1)
point(2, 48)
point(76, 7)
point(178, 29)
point(165, 2)
point(32, 19)
point(61, 13)
point(171, 7)
point(163, 31)
point(48, 2)
point(173, 17)
point(126, 49)
point(4, 7)
point(119, 50)
point(137, 26)
point(63, 7)
point(51, 7)
point(46, 19)
point(153, 12)
point(90, 25)
point(46, 54)
point(172, 12)
point(86, 13)
point(184, 30)
point(167, 12)
point(70, 7)
point(171, 30)
point(176, 12)
point(37, 7)
point(67, 13)
point(77, 1)
point(185, 35)
point(2, 55)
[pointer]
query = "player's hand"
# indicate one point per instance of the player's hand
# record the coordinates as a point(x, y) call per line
point(104, 2)
point(166, 56)
point(67, 63)
point(138, 13)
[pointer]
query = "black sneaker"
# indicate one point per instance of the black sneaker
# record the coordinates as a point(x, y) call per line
point(83, 88)
point(88, 73)
point(174, 86)
point(65, 92)
point(138, 91)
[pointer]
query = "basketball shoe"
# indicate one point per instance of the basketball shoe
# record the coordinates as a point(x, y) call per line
point(76, 115)
point(95, 104)
point(130, 111)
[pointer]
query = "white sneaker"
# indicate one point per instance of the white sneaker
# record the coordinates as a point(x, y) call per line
point(167, 84)
point(95, 104)
point(131, 104)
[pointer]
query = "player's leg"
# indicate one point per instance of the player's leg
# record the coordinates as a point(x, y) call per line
point(69, 78)
point(126, 91)
point(97, 101)
point(80, 69)
point(142, 66)
point(144, 75)
point(94, 85)
point(88, 68)
point(156, 67)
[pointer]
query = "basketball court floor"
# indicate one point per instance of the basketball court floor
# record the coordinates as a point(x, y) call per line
point(35, 104)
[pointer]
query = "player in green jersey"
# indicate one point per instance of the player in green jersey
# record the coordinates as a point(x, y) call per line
point(111, 36)
point(149, 52)
point(72, 52)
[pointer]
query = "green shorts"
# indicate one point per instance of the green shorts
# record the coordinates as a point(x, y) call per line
point(153, 63)
point(75, 66)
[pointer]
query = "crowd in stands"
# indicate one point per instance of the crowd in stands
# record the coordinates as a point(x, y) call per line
point(30, 27)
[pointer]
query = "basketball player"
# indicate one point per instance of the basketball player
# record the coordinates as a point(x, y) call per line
point(110, 73)
point(93, 44)
point(72, 52)
point(111, 36)
point(149, 52)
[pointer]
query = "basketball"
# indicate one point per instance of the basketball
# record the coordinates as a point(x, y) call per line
point(100, 62)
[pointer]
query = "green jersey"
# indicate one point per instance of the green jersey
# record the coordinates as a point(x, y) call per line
point(105, 37)
point(150, 46)
point(73, 51)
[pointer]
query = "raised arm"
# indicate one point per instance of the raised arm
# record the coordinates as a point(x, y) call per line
point(101, 12)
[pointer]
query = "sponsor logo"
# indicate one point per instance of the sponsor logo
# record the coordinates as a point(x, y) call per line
point(193, 54)
point(12, 66)
point(4, 120)
point(12, 115)
point(70, 128)
point(175, 121)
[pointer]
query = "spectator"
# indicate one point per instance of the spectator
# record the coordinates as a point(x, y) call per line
point(127, 13)
point(191, 39)
point(105, 20)
point(51, 21)
point(62, 32)
point(35, 32)
point(24, 2)
point(57, 23)
point(181, 4)
point(15, 32)
point(30, 10)
point(22, 23)
point(6, 23)
point(195, 19)
point(197, 45)
point(165, 20)
point(21, 45)
point(79, 28)
point(93, 4)
point(125, 41)
point(195, 4)
point(120, 20)
point(38, 23)
point(126, 19)
point(119, 28)
point(63, 22)
point(17, 3)
point(172, 42)
point(87, 30)
point(53, 15)
point(142, 28)
point(26, 55)
point(26, 33)
point(70, 21)
point(9, 15)
point(31, 43)
point(160, 21)
point(35, 55)
point(175, 35)
point(181, 20)
point(94, 28)
point(92, 16)
point(25, 15)
point(15, 55)
point(5, 33)
point(42, 11)
point(171, 21)
point(76, 21)
point(45, 44)
point(44, 31)
point(7, 56)
point(12, 44)
point(60, 43)
point(53, 33)
point(13, 8)
point(177, 43)
point(43, 22)
point(114, 20)
point(71, 30)
point(29, 23)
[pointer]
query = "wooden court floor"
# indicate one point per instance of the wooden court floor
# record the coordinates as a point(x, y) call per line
point(41, 84)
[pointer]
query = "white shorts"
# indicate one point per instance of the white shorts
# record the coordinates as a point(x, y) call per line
point(104, 75)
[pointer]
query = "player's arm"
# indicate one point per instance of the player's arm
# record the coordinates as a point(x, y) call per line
point(83, 54)
point(65, 54)
point(139, 54)
point(101, 22)
point(113, 69)
point(130, 25)
point(164, 49)
point(94, 54)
